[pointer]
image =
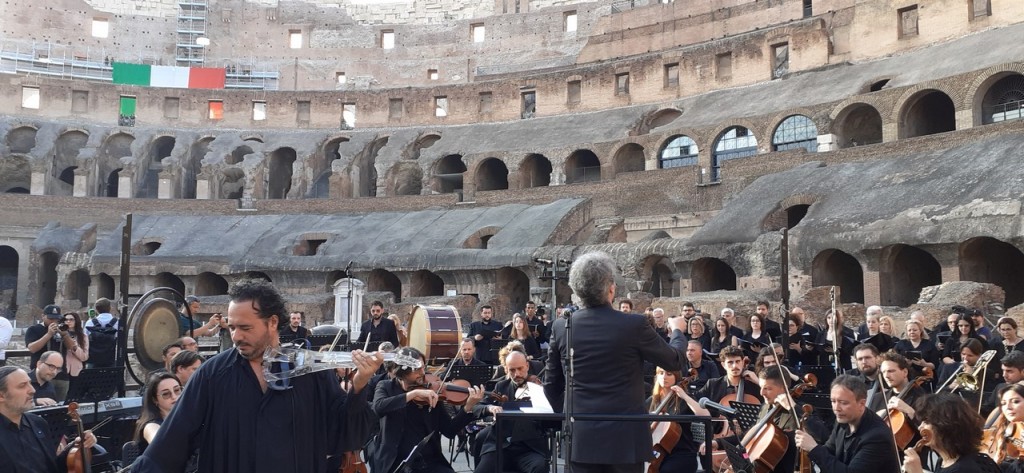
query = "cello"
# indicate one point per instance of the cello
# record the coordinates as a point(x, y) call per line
point(903, 430)
point(766, 443)
point(665, 435)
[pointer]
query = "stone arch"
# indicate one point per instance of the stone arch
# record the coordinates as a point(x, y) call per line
point(999, 98)
point(21, 139)
point(47, 278)
point(480, 239)
point(364, 169)
point(9, 261)
point(166, 279)
point(193, 166)
point(905, 270)
point(149, 181)
point(15, 173)
point(657, 119)
point(423, 142)
point(788, 213)
point(629, 158)
point(926, 112)
point(405, 178)
point(988, 260)
point(233, 183)
point(76, 287)
point(535, 171)
point(491, 174)
point(322, 167)
point(582, 165)
point(858, 124)
point(105, 286)
point(660, 276)
point(210, 284)
point(795, 132)
point(382, 280)
point(678, 151)
point(448, 174)
point(238, 154)
point(253, 139)
point(712, 274)
point(279, 169)
point(836, 268)
point(515, 284)
point(110, 184)
point(732, 143)
point(65, 156)
point(424, 283)
point(113, 148)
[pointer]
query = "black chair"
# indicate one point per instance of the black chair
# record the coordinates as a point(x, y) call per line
point(129, 452)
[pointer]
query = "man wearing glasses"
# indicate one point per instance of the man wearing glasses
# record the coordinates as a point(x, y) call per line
point(49, 365)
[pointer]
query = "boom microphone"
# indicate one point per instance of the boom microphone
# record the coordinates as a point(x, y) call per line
point(708, 403)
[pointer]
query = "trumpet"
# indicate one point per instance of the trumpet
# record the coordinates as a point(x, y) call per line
point(969, 381)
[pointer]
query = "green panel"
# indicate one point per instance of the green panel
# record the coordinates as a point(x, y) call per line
point(131, 74)
point(127, 106)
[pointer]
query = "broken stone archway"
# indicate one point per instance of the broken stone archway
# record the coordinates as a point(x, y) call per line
point(629, 158)
point(8, 277)
point(280, 167)
point(659, 276)
point(904, 271)
point(322, 168)
point(193, 167)
point(149, 169)
point(21, 140)
point(448, 174)
point(238, 154)
point(712, 274)
point(514, 284)
point(15, 174)
point(77, 287)
point(166, 279)
point(405, 178)
point(535, 171)
point(46, 291)
point(988, 260)
point(382, 280)
point(858, 125)
point(105, 286)
point(836, 268)
point(65, 160)
point(233, 184)
point(582, 165)
point(491, 174)
point(424, 283)
point(927, 113)
point(210, 284)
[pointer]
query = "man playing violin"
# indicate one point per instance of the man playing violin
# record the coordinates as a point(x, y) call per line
point(241, 421)
point(526, 448)
point(410, 410)
point(895, 369)
point(860, 442)
point(25, 442)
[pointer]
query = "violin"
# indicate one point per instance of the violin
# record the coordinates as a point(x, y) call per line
point(79, 458)
point(1008, 444)
point(809, 381)
point(455, 392)
point(902, 428)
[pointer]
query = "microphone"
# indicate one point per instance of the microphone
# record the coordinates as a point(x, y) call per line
point(543, 261)
point(708, 403)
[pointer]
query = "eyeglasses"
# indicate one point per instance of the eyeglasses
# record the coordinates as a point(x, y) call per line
point(54, 367)
point(167, 395)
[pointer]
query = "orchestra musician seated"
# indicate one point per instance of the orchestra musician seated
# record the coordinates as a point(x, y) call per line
point(970, 353)
point(860, 440)
point(536, 366)
point(901, 392)
point(706, 369)
point(667, 391)
point(768, 357)
point(526, 448)
point(952, 430)
point(1013, 373)
point(26, 442)
point(1006, 433)
point(410, 414)
point(732, 386)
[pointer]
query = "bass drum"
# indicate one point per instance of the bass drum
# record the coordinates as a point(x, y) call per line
point(436, 330)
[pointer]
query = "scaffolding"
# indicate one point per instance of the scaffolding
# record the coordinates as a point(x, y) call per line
point(188, 50)
point(63, 62)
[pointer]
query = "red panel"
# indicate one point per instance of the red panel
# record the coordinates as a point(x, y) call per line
point(206, 78)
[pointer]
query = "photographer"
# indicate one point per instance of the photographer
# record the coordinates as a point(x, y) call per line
point(48, 336)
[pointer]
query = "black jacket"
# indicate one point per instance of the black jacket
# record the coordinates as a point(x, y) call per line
point(610, 348)
point(523, 432)
point(870, 449)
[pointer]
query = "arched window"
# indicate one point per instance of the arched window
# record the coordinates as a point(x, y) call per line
point(734, 142)
point(680, 151)
point(1005, 100)
point(796, 131)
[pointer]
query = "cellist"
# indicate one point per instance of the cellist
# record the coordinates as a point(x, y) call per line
point(733, 384)
point(895, 369)
point(772, 390)
point(683, 456)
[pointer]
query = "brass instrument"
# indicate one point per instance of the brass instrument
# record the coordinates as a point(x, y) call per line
point(969, 381)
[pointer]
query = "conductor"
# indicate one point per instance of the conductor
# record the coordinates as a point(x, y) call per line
point(609, 350)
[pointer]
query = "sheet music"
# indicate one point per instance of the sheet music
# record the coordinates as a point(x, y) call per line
point(541, 405)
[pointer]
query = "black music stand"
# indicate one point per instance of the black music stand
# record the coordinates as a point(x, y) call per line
point(57, 419)
point(746, 414)
point(95, 384)
point(739, 460)
point(476, 375)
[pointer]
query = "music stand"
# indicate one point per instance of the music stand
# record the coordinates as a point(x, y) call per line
point(476, 375)
point(746, 414)
point(57, 419)
point(739, 460)
point(322, 340)
point(94, 384)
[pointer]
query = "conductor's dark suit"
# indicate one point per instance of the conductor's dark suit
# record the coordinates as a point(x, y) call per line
point(610, 349)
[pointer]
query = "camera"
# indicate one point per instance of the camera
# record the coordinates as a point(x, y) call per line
point(63, 327)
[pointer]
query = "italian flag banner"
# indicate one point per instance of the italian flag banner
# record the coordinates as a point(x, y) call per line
point(169, 76)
